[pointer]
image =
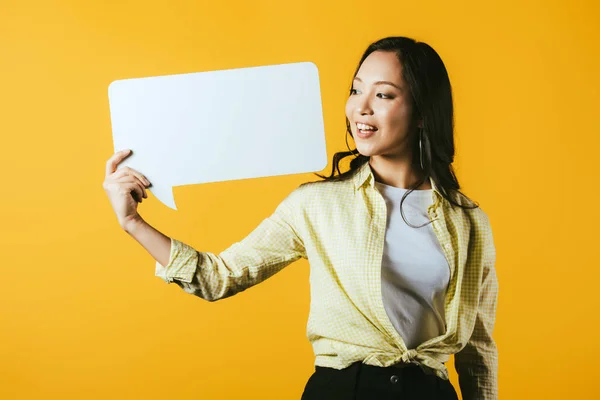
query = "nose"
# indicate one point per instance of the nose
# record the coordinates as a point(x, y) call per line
point(363, 105)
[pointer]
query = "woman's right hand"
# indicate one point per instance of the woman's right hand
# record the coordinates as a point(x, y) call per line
point(125, 188)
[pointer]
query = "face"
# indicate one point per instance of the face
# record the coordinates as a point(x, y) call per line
point(380, 108)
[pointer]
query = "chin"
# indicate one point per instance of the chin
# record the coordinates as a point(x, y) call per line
point(365, 151)
point(366, 147)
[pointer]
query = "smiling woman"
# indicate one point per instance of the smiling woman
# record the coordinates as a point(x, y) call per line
point(389, 303)
point(400, 113)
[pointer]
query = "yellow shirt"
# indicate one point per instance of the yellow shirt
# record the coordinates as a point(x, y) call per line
point(340, 228)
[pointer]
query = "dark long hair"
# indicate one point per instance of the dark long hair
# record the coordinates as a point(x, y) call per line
point(425, 74)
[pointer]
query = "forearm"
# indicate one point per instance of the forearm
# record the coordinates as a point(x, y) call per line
point(155, 242)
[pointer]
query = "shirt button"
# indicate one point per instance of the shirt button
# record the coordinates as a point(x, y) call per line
point(394, 379)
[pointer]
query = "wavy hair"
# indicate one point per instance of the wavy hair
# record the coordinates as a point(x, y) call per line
point(425, 74)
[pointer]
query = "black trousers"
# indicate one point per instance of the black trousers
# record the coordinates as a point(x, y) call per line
point(365, 382)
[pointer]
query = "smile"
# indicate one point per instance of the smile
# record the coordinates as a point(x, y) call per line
point(364, 131)
point(365, 127)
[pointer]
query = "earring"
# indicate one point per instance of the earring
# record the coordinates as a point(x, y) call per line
point(421, 148)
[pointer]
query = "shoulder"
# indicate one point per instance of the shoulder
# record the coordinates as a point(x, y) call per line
point(478, 215)
point(480, 231)
point(477, 218)
point(319, 194)
point(469, 215)
point(470, 209)
point(325, 187)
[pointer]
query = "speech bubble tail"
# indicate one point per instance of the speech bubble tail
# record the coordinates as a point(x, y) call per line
point(165, 196)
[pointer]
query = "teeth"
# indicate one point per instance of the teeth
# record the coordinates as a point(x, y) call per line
point(364, 127)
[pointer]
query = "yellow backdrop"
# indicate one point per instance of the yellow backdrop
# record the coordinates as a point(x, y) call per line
point(82, 315)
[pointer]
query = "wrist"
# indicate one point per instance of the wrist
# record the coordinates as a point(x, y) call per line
point(133, 223)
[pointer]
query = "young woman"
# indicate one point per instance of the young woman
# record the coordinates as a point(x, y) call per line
point(402, 263)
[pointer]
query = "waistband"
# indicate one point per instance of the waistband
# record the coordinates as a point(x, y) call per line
point(396, 368)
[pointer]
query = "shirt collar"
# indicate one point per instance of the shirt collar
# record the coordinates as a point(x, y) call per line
point(365, 174)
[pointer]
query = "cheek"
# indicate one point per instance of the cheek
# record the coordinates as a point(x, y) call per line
point(349, 109)
point(393, 116)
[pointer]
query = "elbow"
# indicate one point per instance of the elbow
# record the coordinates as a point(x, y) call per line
point(209, 295)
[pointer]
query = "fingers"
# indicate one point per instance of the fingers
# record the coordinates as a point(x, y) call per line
point(135, 190)
point(111, 164)
point(129, 179)
point(133, 179)
point(126, 170)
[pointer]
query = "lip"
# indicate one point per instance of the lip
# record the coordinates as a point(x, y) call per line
point(366, 134)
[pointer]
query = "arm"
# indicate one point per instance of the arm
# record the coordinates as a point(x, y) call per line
point(477, 362)
point(155, 242)
point(271, 246)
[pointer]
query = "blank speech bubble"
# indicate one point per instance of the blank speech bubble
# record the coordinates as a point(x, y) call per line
point(221, 125)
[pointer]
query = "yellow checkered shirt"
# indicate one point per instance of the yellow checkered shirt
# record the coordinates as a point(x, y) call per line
point(340, 228)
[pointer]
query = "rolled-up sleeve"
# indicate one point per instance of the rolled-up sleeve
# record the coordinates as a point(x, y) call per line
point(477, 362)
point(271, 246)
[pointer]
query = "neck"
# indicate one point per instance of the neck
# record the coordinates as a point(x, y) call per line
point(398, 172)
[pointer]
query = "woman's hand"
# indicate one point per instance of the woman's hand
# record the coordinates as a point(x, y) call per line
point(125, 188)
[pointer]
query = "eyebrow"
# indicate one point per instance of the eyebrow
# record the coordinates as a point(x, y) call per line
point(381, 83)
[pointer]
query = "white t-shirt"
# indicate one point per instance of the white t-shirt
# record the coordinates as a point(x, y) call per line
point(414, 272)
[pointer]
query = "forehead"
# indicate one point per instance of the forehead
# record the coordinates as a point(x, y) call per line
point(381, 66)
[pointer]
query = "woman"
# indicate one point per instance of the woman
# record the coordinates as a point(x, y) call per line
point(402, 263)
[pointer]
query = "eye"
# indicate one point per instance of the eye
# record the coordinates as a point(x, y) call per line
point(353, 91)
point(384, 96)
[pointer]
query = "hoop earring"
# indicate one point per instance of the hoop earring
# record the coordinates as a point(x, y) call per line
point(421, 148)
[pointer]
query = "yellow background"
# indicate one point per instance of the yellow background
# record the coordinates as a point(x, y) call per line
point(82, 315)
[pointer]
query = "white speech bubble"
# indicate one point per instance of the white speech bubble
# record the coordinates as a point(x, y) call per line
point(221, 125)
